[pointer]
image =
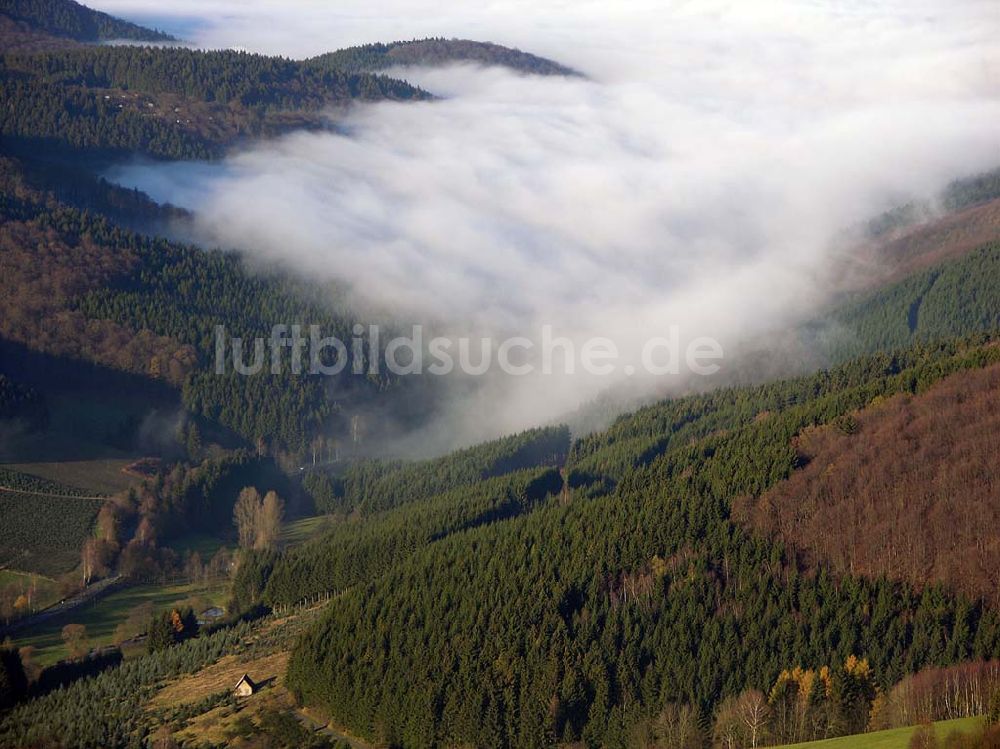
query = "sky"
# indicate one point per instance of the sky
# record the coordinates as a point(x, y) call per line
point(699, 176)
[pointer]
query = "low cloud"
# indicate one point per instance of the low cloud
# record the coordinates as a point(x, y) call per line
point(698, 178)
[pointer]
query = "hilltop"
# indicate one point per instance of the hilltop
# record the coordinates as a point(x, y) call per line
point(436, 52)
point(30, 25)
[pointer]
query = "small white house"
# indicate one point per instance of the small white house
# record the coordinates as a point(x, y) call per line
point(244, 687)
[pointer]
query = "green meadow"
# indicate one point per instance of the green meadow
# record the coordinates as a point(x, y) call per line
point(894, 738)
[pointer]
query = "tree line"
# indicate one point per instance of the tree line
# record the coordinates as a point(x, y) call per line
point(437, 51)
point(65, 119)
point(219, 75)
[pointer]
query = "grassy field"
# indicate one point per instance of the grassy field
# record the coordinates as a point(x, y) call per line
point(101, 475)
point(74, 449)
point(221, 676)
point(292, 533)
point(102, 616)
point(264, 656)
point(205, 544)
point(300, 531)
point(896, 738)
point(266, 669)
point(46, 590)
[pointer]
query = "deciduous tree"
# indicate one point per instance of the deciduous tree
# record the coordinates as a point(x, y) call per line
point(246, 516)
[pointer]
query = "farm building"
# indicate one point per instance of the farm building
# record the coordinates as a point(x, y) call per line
point(244, 687)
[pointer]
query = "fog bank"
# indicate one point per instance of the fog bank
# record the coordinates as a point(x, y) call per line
point(698, 178)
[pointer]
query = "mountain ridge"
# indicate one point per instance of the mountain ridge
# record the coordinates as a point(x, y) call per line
point(438, 51)
point(67, 19)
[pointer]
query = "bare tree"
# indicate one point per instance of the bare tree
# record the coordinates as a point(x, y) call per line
point(108, 523)
point(221, 564)
point(728, 730)
point(907, 483)
point(676, 727)
point(317, 448)
point(146, 532)
point(246, 516)
point(269, 524)
point(193, 567)
point(90, 559)
point(751, 706)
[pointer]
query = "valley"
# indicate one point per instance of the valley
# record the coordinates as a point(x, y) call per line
point(799, 550)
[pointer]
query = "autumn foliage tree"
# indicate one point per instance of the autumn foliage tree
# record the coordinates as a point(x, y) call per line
point(170, 627)
point(272, 512)
point(799, 703)
point(908, 480)
point(803, 705)
point(76, 640)
point(258, 521)
point(95, 558)
point(246, 516)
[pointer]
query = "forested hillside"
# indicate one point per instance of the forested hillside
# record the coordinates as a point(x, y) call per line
point(78, 286)
point(911, 485)
point(51, 255)
point(949, 299)
point(222, 75)
point(19, 36)
point(776, 561)
point(374, 485)
point(956, 197)
point(581, 620)
point(970, 191)
point(926, 238)
point(358, 551)
point(432, 52)
point(398, 507)
point(69, 19)
point(169, 102)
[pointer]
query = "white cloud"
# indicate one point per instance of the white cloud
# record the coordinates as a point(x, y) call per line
point(698, 178)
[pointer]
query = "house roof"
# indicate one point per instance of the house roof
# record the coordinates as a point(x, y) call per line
point(245, 679)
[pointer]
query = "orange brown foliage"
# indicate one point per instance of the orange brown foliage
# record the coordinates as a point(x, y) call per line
point(42, 273)
point(910, 250)
point(913, 494)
